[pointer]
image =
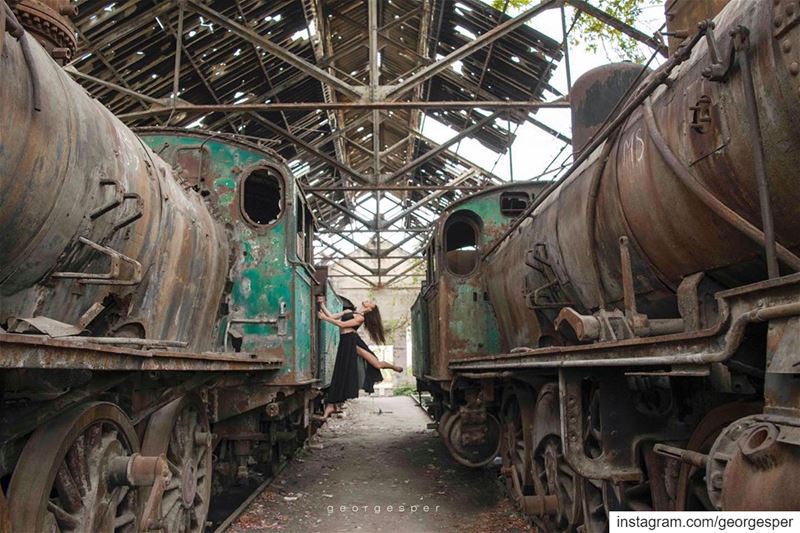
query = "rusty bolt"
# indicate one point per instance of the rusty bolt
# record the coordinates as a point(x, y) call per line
point(68, 10)
point(203, 438)
point(60, 53)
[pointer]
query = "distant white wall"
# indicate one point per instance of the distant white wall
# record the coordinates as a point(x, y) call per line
point(395, 306)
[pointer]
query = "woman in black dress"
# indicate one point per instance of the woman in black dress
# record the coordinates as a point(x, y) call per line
point(344, 382)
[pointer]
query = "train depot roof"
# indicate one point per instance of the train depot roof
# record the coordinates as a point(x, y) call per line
point(313, 79)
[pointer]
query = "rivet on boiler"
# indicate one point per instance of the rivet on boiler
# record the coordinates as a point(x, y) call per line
point(787, 46)
point(794, 68)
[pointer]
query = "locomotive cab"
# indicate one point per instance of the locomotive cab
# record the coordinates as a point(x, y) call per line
point(453, 316)
point(267, 307)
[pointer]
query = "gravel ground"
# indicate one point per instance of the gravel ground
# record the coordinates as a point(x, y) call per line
point(379, 469)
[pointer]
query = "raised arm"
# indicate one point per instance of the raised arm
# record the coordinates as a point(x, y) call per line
point(357, 320)
point(324, 309)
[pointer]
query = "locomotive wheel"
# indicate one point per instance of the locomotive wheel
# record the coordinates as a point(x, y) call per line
point(472, 456)
point(180, 430)
point(692, 492)
point(517, 413)
point(552, 474)
point(599, 497)
point(60, 482)
point(555, 476)
point(446, 416)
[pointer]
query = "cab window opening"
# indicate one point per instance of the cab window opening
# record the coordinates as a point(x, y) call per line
point(262, 197)
point(461, 245)
point(513, 203)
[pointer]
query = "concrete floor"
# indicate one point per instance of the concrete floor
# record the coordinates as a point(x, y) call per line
point(379, 469)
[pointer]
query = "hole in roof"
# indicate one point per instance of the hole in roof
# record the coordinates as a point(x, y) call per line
point(465, 32)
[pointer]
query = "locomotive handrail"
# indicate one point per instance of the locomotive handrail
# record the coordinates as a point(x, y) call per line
point(656, 79)
point(108, 278)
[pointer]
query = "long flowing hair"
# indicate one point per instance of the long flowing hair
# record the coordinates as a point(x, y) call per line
point(374, 325)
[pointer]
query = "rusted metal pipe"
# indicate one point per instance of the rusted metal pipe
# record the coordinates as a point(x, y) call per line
point(679, 454)
point(742, 39)
point(18, 31)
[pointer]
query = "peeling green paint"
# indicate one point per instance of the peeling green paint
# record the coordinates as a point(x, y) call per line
point(229, 183)
point(456, 307)
point(267, 281)
point(226, 199)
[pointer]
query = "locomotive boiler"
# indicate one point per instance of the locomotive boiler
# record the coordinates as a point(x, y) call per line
point(647, 303)
point(158, 340)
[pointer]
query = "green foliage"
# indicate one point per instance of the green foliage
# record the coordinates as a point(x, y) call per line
point(594, 34)
point(405, 390)
point(500, 4)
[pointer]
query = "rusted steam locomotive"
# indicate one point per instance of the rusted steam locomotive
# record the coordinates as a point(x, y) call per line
point(628, 339)
point(158, 343)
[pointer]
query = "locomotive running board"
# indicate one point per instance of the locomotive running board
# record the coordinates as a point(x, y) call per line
point(759, 302)
point(38, 351)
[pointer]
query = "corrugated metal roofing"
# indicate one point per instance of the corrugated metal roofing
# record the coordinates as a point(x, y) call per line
point(132, 43)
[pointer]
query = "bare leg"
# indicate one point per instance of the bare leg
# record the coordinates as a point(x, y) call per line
point(373, 361)
point(329, 408)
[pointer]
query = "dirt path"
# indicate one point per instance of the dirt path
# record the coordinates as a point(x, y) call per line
point(380, 469)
